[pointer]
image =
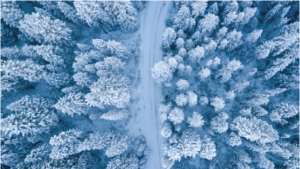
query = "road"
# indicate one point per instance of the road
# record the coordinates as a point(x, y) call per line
point(152, 20)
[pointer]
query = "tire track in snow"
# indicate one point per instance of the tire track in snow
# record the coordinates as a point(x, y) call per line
point(152, 26)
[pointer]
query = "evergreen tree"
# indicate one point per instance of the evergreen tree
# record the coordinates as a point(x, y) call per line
point(130, 161)
point(33, 122)
point(28, 70)
point(219, 124)
point(192, 98)
point(176, 115)
point(72, 104)
point(11, 13)
point(66, 143)
point(208, 23)
point(217, 103)
point(35, 26)
point(198, 8)
point(169, 37)
point(183, 19)
point(196, 120)
point(196, 54)
point(182, 84)
point(208, 149)
point(166, 130)
point(213, 9)
point(181, 100)
point(68, 11)
point(122, 13)
point(114, 115)
point(107, 91)
point(161, 73)
point(92, 13)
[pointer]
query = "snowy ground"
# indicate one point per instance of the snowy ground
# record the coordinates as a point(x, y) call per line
point(147, 120)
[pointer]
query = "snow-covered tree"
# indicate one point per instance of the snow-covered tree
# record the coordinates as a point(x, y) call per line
point(167, 163)
point(253, 36)
point(239, 87)
point(196, 120)
point(272, 13)
point(92, 13)
point(218, 103)
point(35, 26)
point(72, 104)
point(208, 23)
point(169, 38)
point(198, 8)
point(208, 149)
point(182, 52)
point(191, 143)
point(28, 70)
point(189, 44)
point(33, 102)
point(161, 73)
point(204, 73)
point(192, 98)
point(181, 100)
point(166, 130)
point(213, 9)
point(280, 64)
point(255, 130)
point(68, 11)
point(249, 13)
point(83, 79)
point(111, 48)
point(176, 115)
point(182, 84)
point(172, 62)
point(117, 146)
point(122, 13)
point(234, 140)
point(66, 143)
point(203, 100)
point(179, 43)
point(264, 162)
point(230, 18)
point(130, 161)
point(57, 79)
point(38, 154)
point(196, 54)
point(219, 124)
point(230, 95)
point(283, 111)
point(114, 115)
point(11, 13)
point(32, 121)
point(183, 19)
point(233, 39)
point(107, 91)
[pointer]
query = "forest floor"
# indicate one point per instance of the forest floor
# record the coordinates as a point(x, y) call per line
point(147, 120)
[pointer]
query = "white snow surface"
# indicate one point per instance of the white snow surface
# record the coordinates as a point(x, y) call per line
point(147, 120)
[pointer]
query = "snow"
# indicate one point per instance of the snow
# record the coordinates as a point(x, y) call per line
point(147, 120)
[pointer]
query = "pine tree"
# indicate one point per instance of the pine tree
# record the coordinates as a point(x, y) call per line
point(230, 18)
point(183, 19)
point(93, 14)
point(72, 104)
point(230, 95)
point(208, 149)
point(272, 13)
point(196, 54)
point(57, 80)
point(198, 8)
point(182, 84)
point(166, 130)
point(38, 154)
point(11, 13)
point(196, 120)
point(35, 25)
point(117, 146)
point(169, 37)
point(66, 143)
point(255, 130)
point(33, 122)
point(28, 70)
point(130, 161)
point(180, 43)
point(239, 87)
point(181, 100)
point(192, 98)
point(111, 48)
point(204, 73)
point(161, 73)
point(213, 9)
point(33, 102)
point(217, 103)
point(172, 62)
point(282, 111)
point(114, 115)
point(234, 140)
point(249, 13)
point(107, 91)
point(219, 124)
point(68, 11)
point(234, 39)
point(176, 115)
point(253, 36)
point(122, 13)
point(191, 143)
point(281, 63)
point(208, 23)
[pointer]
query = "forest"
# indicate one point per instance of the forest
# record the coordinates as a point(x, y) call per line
point(144, 84)
point(231, 85)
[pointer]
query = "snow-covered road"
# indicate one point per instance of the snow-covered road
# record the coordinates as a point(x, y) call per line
point(147, 121)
